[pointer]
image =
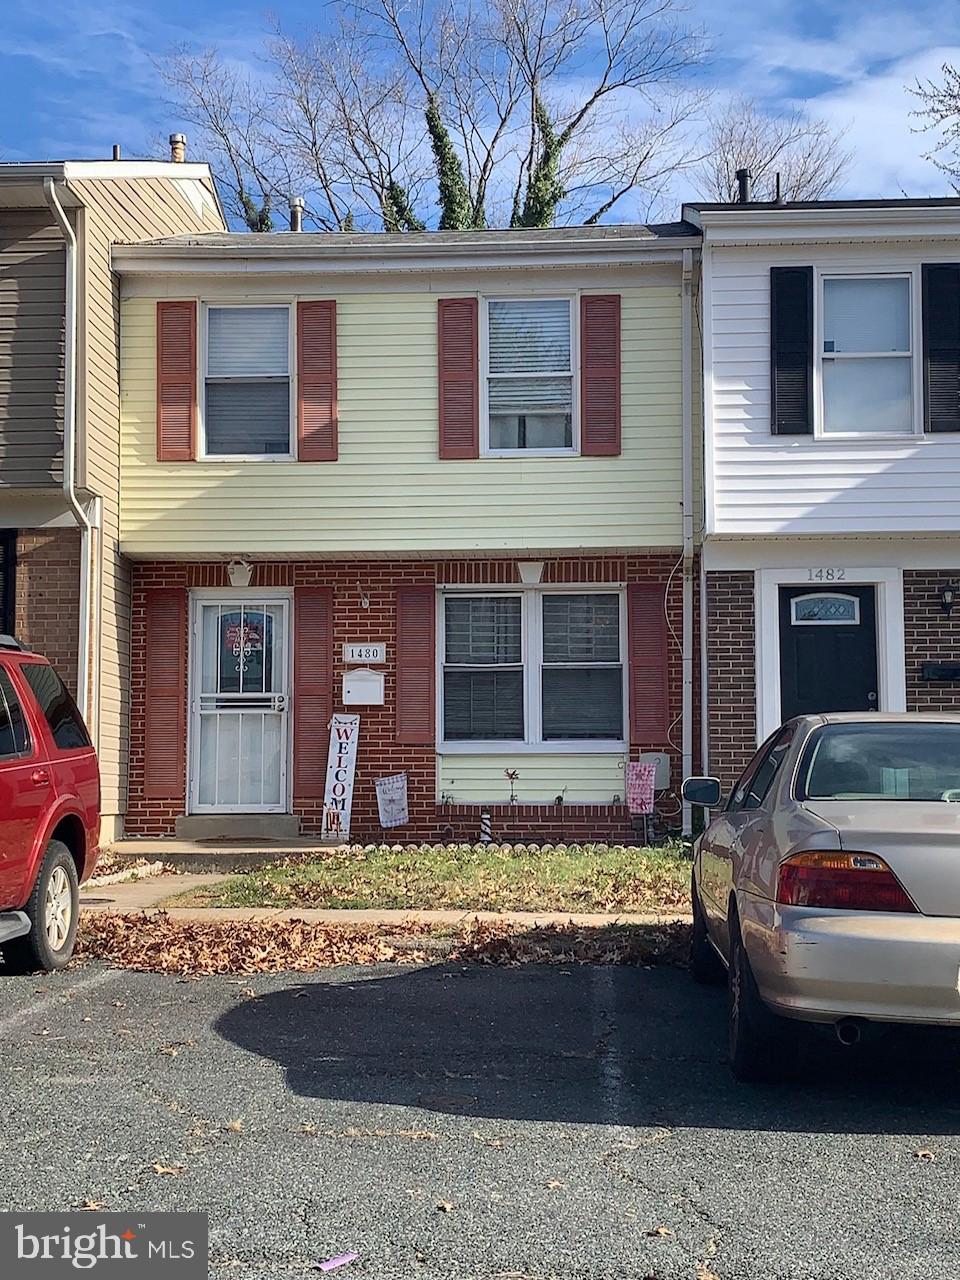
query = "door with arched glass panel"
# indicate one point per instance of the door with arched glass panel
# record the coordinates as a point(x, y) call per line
point(828, 650)
point(239, 706)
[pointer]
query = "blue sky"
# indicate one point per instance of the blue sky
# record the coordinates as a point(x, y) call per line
point(77, 76)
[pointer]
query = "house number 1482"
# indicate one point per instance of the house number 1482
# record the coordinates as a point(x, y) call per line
point(826, 575)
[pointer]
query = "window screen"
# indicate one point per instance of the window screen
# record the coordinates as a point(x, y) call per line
point(530, 374)
point(59, 709)
point(582, 674)
point(247, 404)
point(483, 669)
point(14, 739)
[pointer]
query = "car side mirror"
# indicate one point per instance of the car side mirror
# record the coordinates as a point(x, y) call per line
point(705, 792)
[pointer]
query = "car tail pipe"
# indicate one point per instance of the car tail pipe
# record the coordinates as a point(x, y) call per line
point(849, 1031)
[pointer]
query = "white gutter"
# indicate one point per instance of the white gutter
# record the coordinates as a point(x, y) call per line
point(85, 690)
point(687, 464)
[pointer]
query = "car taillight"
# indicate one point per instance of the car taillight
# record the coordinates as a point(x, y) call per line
point(842, 882)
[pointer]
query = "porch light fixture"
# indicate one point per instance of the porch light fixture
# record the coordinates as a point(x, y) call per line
point(240, 573)
point(948, 597)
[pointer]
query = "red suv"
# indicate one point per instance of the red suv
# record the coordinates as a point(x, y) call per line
point(49, 811)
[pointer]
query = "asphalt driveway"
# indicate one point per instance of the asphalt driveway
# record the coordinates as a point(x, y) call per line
point(448, 1122)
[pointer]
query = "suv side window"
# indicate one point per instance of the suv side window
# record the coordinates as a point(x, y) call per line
point(14, 739)
point(66, 724)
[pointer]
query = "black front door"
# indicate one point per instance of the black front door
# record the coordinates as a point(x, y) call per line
point(828, 650)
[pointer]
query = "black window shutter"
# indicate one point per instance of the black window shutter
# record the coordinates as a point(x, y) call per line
point(941, 346)
point(791, 351)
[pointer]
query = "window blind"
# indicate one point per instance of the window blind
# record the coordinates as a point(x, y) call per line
point(248, 342)
point(529, 336)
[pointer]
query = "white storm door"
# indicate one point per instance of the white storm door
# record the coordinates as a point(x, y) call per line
point(240, 706)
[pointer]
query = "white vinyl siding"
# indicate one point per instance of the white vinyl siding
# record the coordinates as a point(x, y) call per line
point(758, 483)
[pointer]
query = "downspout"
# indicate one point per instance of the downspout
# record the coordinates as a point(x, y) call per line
point(687, 464)
point(84, 691)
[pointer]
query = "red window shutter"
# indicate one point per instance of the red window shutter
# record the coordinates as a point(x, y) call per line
point(312, 689)
point(176, 381)
point(165, 712)
point(600, 375)
point(317, 381)
point(416, 648)
point(459, 369)
point(647, 662)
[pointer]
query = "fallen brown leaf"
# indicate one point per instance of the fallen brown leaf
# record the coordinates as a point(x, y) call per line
point(167, 1170)
point(659, 1231)
point(235, 1126)
point(445, 1206)
point(925, 1154)
point(89, 1206)
point(554, 1184)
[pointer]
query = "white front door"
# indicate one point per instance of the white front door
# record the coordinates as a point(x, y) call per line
point(240, 701)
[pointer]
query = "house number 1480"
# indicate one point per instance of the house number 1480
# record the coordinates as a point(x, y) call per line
point(826, 575)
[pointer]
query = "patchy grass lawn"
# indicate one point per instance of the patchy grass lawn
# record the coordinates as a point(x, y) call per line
point(587, 877)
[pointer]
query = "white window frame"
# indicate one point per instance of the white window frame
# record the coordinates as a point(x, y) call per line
point(202, 454)
point(573, 299)
point(912, 275)
point(531, 648)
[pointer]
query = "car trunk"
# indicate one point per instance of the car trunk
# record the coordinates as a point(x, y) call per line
point(919, 840)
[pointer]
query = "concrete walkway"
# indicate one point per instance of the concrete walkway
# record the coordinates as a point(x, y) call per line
point(149, 894)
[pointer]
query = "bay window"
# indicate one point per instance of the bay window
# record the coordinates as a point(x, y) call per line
point(529, 375)
point(867, 355)
point(246, 403)
point(533, 667)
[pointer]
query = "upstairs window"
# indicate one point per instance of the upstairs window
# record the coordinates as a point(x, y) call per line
point(529, 374)
point(867, 356)
point(247, 405)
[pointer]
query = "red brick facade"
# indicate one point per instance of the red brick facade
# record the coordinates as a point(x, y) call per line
point(47, 596)
point(731, 678)
point(930, 635)
point(379, 752)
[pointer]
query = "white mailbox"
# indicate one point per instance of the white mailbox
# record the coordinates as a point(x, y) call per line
point(362, 688)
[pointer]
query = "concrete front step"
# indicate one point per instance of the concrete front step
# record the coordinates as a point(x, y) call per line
point(201, 856)
point(248, 827)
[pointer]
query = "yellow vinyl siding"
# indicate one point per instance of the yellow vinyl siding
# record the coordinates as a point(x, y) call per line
point(389, 492)
point(583, 779)
point(118, 209)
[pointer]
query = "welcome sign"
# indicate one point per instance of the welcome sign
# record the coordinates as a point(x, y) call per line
point(341, 771)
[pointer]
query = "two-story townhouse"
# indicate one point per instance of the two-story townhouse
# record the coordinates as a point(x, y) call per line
point(455, 459)
point(64, 588)
point(831, 556)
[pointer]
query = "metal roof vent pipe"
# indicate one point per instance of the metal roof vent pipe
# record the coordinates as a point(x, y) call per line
point(744, 178)
point(178, 147)
point(296, 213)
point(116, 151)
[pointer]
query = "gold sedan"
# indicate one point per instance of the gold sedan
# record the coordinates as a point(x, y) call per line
point(827, 887)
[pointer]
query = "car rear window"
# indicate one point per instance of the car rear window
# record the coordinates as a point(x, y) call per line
point(884, 761)
point(14, 739)
point(66, 723)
